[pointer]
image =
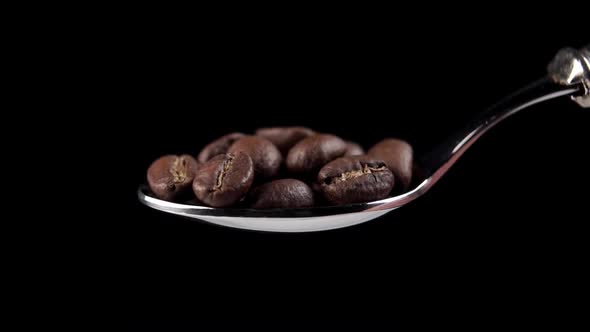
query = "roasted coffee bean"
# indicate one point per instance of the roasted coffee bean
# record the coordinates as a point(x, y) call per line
point(398, 155)
point(265, 155)
point(311, 153)
point(284, 193)
point(353, 149)
point(329, 170)
point(218, 146)
point(355, 179)
point(284, 137)
point(316, 187)
point(171, 176)
point(318, 194)
point(224, 180)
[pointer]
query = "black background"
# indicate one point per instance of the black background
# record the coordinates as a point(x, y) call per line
point(499, 240)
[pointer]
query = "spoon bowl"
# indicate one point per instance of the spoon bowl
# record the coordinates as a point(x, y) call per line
point(569, 75)
point(286, 220)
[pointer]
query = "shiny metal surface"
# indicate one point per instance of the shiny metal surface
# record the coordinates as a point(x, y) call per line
point(565, 79)
point(571, 67)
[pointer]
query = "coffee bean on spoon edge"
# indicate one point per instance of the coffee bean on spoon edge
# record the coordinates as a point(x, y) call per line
point(398, 155)
point(224, 180)
point(284, 193)
point(170, 177)
point(355, 179)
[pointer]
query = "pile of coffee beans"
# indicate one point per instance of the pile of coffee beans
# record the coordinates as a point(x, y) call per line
point(284, 167)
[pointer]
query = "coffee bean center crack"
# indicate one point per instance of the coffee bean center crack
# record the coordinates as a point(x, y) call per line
point(221, 176)
point(355, 174)
point(179, 170)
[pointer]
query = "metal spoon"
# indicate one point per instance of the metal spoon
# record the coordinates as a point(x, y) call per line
point(568, 75)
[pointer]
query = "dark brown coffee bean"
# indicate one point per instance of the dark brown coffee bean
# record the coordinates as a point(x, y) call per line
point(398, 155)
point(284, 193)
point(316, 187)
point(224, 180)
point(355, 179)
point(284, 137)
point(218, 146)
point(318, 194)
point(354, 149)
point(171, 176)
point(265, 155)
point(311, 153)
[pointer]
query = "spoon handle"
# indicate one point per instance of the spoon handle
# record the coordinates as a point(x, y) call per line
point(568, 75)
